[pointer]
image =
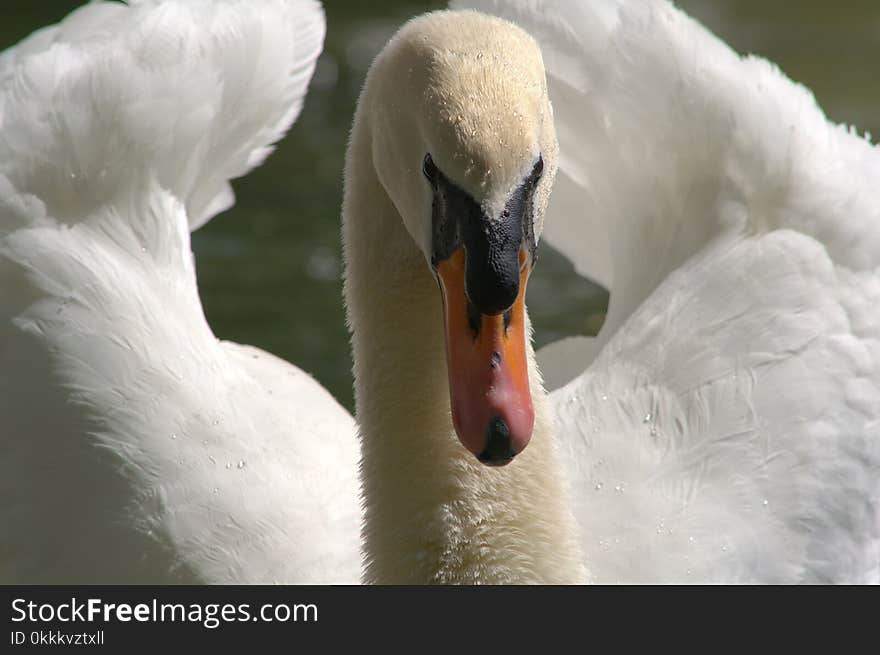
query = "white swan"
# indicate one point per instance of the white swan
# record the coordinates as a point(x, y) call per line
point(136, 447)
point(739, 233)
point(726, 431)
point(666, 135)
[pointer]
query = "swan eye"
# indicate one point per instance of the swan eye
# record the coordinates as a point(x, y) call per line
point(429, 169)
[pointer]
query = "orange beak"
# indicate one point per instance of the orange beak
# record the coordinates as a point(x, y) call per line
point(488, 369)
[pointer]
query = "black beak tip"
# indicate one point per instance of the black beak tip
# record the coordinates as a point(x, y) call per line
point(497, 451)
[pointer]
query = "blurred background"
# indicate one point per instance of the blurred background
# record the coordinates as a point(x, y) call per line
point(269, 269)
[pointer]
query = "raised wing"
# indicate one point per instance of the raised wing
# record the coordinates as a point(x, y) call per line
point(730, 430)
point(193, 91)
point(136, 447)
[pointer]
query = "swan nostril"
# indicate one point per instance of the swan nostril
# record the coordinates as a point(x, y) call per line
point(497, 451)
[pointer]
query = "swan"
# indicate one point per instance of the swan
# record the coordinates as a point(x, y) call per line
point(626, 80)
point(724, 424)
point(722, 427)
point(726, 416)
point(136, 446)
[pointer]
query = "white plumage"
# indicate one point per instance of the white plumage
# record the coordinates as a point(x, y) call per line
point(136, 447)
point(729, 429)
point(724, 425)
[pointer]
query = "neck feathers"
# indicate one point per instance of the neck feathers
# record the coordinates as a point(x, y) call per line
point(433, 513)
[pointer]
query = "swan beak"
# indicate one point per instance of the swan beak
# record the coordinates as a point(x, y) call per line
point(488, 369)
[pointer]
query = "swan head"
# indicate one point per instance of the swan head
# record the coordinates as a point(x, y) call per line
point(464, 145)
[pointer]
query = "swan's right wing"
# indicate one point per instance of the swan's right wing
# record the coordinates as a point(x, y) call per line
point(135, 446)
point(194, 91)
point(730, 430)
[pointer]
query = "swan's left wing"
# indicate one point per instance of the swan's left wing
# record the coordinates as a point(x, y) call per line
point(730, 430)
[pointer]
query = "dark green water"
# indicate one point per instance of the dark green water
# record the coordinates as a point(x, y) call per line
point(269, 268)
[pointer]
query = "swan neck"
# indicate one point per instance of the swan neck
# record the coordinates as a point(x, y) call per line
point(433, 514)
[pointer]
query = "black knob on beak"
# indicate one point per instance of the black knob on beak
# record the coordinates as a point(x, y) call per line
point(497, 451)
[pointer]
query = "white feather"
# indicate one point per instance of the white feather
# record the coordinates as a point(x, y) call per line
point(727, 425)
point(153, 451)
point(724, 426)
